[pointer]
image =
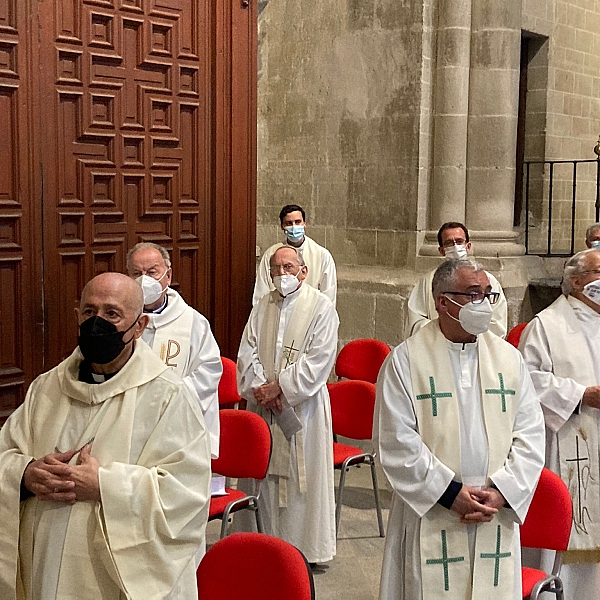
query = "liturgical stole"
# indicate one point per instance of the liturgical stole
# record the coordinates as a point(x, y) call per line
point(172, 341)
point(578, 437)
point(445, 561)
point(293, 340)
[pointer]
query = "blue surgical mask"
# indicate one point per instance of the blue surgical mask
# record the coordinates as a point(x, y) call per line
point(294, 233)
point(595, 244)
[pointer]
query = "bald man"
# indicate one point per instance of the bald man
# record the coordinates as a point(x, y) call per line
point(287, 351)
point(105, 468)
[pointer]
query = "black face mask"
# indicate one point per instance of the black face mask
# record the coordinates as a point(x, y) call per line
point(99, 340)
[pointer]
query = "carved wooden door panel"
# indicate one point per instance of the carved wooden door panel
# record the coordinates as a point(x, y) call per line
point(126, 134)
point(20, 301)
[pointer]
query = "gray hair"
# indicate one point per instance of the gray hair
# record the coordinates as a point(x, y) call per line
point(573, 267)
point(299, 257)
point(142, 246)
point(591, 230)
point(444, 277)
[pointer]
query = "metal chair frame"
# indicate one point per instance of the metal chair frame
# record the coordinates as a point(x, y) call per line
point(356, 461)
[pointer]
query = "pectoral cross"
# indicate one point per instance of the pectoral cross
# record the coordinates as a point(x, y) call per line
point(496, 556)
point(287, 352)
point(434, 396)
point(445, 561)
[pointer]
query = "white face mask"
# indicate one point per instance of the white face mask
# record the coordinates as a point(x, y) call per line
point(474, 318)
point(151, 288)
point(595, 244)
point(457, 251)
point(286, 284)
point(592, 291)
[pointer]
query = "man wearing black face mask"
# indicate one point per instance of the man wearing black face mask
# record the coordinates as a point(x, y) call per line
point(460, 434)
point(105, 467)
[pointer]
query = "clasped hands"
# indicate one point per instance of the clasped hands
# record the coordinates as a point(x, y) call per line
point(477, 505)
point(51, 479)
point(268, 396)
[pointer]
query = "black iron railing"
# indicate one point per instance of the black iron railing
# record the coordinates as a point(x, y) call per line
point(546, 200)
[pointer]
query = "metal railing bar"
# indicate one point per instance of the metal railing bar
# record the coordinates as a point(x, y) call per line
point(573, 207)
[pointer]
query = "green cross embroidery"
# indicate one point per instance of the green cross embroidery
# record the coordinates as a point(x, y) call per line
point(496, 556)
point(444, 560)
point(502, 392)
point(434, 396)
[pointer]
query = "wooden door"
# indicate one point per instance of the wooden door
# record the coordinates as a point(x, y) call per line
point(20, 298)
point(125, 145)
point(122, 121)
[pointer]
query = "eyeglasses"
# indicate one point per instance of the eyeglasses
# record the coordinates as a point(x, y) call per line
point(478, 297)
point(287, 268)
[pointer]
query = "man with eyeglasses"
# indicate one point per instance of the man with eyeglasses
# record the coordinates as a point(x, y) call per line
point(561, 347)
point(453, 240)
point(321, 267)
point(460, 435)
point(177, 333)
point(287, 351)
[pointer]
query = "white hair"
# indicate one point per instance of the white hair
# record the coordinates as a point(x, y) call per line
point(591, 230)
point(142, 246)
point(573, 267)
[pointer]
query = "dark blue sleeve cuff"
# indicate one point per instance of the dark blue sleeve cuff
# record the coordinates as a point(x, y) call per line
point(448, 497)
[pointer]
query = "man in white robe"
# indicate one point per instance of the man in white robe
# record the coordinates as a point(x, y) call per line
point(463, 457)
point(179, 335)
point(105, 468)
point(561, 347)
point(453, 240)
point(285, 357)
point(320, 264)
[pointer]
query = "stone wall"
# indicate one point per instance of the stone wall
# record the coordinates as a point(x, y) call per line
point(563, 111)
point(339, 113)
point(350, 95)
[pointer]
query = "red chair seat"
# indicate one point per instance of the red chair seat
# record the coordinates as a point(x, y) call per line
point(341, 452)
point(218, 504)
point(529, 578)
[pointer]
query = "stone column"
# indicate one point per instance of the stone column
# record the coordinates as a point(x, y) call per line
point(451, 105)
point(492, 126)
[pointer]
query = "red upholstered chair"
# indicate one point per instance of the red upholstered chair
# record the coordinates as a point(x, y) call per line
point(548, 525)
point(352, 405)
point(228, 392)
point(514, 335)
point(244, 451)
point(361, 359)
point(254, 566)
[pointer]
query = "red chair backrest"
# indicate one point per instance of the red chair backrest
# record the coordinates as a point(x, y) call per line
point(352, 406)
point(254, 566)
point(245, 445)
point(228, 393)
point(361, 359)
point(548, 522)
point(514, 335)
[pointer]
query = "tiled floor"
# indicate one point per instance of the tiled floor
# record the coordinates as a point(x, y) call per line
point(354, 573)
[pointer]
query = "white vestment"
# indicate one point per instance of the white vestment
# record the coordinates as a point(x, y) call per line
point(419, 478)
point(202, 368)
point(321, 269)
point(308, 521)
point(139, 541)
point(421, 307)
point(560, 396)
